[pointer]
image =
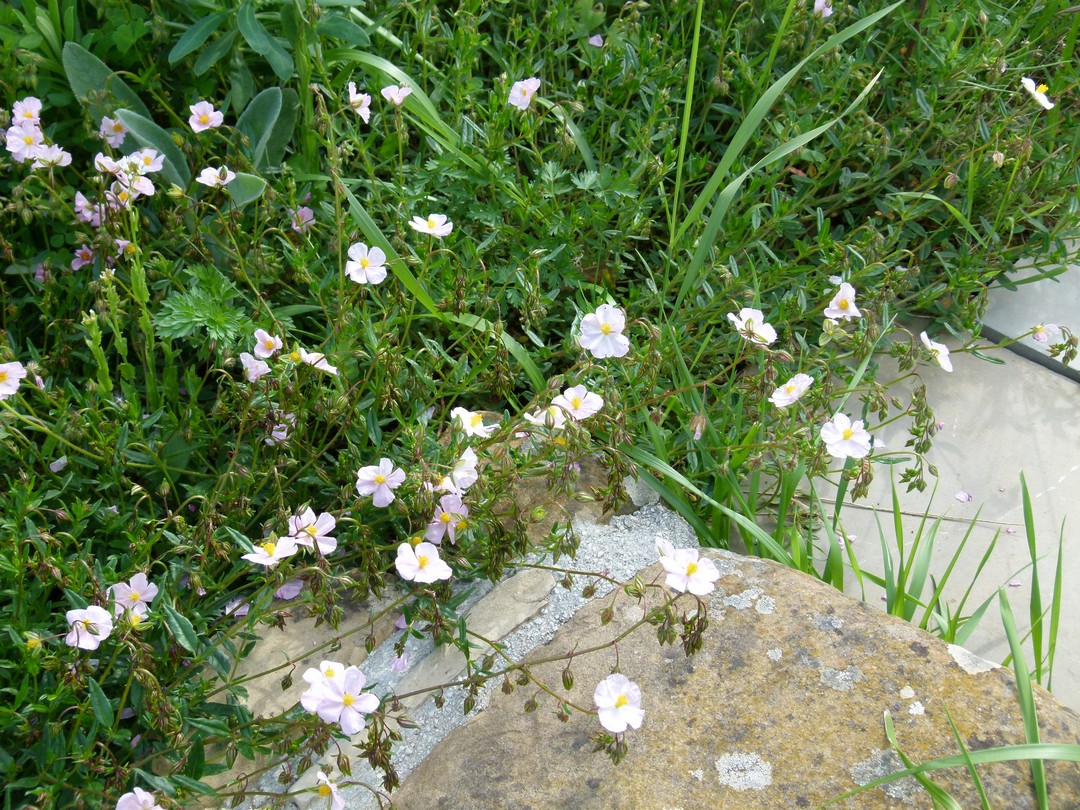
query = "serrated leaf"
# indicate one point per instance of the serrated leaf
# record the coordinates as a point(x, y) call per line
point(181, 628)
point(338, 26)
point(147, 133)
point(90, 78)
point(195, 36)
point(103, 710)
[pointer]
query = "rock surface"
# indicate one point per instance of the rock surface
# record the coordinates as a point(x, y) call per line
point(782, 708)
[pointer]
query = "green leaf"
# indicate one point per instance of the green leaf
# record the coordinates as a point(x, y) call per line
point(89, 78)
point(338, 26)
point(268, 123)
point(103, 710)
point(260, 41)
point(181, 628)
point(245, 188)
point(193, 785)
point(220, 46)
point(195, 36)
point(147, 133)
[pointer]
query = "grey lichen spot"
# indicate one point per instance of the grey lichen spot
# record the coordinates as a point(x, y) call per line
point(775, 654)
point(882, 763)
point(969, 662)
point(698, 774)
point(765, 604)
point(841, 679)
point(744, 771)
point(916, 708)
point(830, 624)
point(907, 693)
point(742, 601)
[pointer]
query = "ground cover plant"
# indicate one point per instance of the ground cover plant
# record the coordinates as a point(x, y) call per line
point(296, 293)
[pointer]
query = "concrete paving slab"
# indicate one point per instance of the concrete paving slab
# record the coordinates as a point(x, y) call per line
point(1011, 313)
point(997, 421)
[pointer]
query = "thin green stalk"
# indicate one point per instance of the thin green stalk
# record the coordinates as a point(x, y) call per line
point(685, 126)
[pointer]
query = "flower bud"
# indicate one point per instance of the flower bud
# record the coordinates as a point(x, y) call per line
point(951, 179)
point(998, 159)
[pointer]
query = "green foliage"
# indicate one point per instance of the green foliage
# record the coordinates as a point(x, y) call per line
point(206, 309)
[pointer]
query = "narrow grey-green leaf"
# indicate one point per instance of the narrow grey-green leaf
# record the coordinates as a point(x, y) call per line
point(181, 628)
point(338, 26)
point(89, 77)
point(103, 709)
point(257, 123)
point(195, 36)
point(218, 48)
point(147, 133)
point(245, 188)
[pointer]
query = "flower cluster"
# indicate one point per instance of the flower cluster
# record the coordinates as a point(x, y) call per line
point(88, 627)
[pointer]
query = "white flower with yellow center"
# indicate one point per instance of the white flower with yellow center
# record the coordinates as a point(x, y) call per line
point(1038, 92)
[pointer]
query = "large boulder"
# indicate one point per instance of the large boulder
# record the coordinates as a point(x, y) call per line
point(782, 708)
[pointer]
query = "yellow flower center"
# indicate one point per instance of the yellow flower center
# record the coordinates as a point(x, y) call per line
point(28, 139)
point(463, 525)
point(446, 517)
point(559, 440)
point(476, 419)
point(1042, 88)
point(365, 262)
point(380, 478)
point(88, 626)
point(204, 119)
point(789, 388)
point(135, 619)
point(3, 376)
point(29, 116)
point(33, 643)
point(311, 530)
point(524, 91)
point(621, 700)
point(843, 303)
point(422, 561)
point(269, 344)
point(848, 433)
point(576, 402)
point(348, 700)
point(295, 356)
point(118, 127)
point(431, 223)
point(324, 790)
point(269, 548)
point(691, 569)
point(134, 597)
point(605, 328)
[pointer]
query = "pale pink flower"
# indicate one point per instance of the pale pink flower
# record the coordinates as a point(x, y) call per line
point(596, 41)
point(138, 799)
point(552, 417)
point(59, 465)
point(602, 332)
point(472, 423)
point(253, 367)
point(317, 679)
point(450, 516)
point(421, 564)
point(1015, 583)
point(843, 304)
point(318, 360)
point(379, 481)
point(23, 141)
point(135, 595)
point(26, 111)
point(112, 131)
point(216, 177)
point(790, 391)
point(367, 265)
point(939, 351)
point(1038, 92)
point(280, 432)
point(106, 165)
point(302, 219)
point(579, 402)
point(148, 160)
point(313, 531)
point(844, 438)
point(463, 475)
point(344, 703)
point(964, 497)
point(11, 374)
point(521, 94)
point(50, 157)
point(89, 627)
point(83, 255)
point(329, 790)
point(290, 589)
point(1045, 332)
point(687, 570)
point(399, 663)
point(396, 95)
point(270, 553)
point(823, 9)
point(86, 211)
point(436, 225)
point(266, 345)
point(618, 701)
point(204, 117)
point(360, 103)
point(750, 323)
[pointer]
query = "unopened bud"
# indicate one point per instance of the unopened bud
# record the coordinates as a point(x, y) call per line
point(998, 159)
point(175, 193)
point(567, 679)
point(951, 179)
